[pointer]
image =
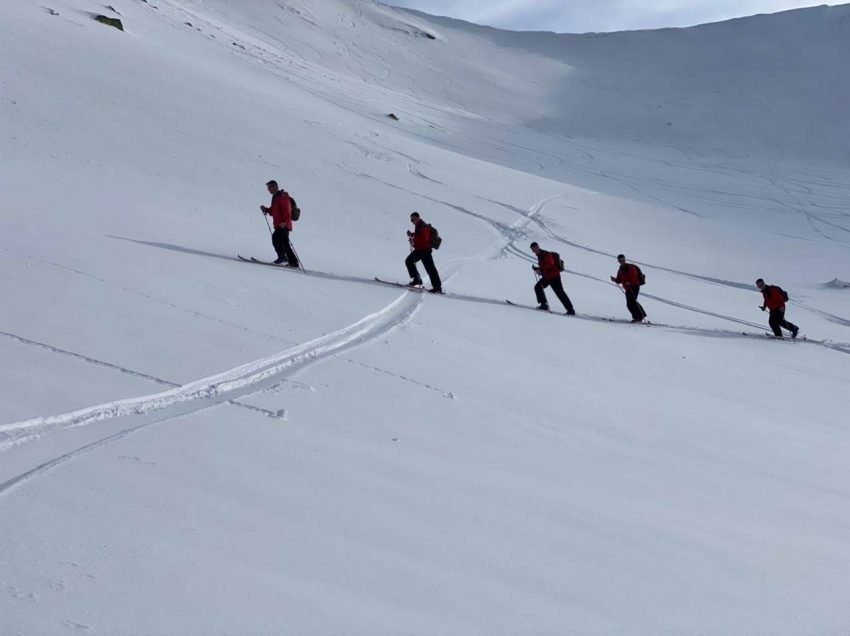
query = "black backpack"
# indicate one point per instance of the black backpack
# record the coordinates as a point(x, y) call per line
point(783, 292)
point(296, 211)
point(436, 239)
point(641, 276)
point(559, 261)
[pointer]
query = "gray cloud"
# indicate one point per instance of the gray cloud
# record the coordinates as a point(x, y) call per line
point(578, 16)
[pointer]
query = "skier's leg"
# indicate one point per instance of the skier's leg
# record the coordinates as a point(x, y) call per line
point(776, 319)
point(642, 311)
point(558, 287)
point(788, 325)
point(634, 307)
point(410, 261)
point(431, 269)
point(277, 241)
point(541, 295)
point(288, 252)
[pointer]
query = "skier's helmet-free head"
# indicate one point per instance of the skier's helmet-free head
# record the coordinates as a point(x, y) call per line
point(760, 283)
point(534, 247)
point(621, 258)
point(414, 217)
point(272, 186)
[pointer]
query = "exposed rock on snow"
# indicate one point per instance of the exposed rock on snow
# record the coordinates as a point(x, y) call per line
point(113, 22)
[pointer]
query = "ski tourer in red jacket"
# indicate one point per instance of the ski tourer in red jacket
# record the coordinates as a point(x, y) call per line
point(631, 278)
point(281, 213)
point(548, 267)
point(774, 300)
point(420, 241)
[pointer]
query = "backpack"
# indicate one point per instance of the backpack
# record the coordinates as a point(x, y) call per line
point(436, 239)
point(296, 211)
point(559, 261)
point(783, 292)
point(641, 276)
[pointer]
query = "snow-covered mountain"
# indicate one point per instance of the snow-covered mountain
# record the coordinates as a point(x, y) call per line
point(190, 444)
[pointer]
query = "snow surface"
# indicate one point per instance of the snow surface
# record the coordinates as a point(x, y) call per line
point(194, 445)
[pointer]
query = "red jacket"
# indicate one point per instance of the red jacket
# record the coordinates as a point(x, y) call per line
point(281, 210)
point(773, 299)
point(421, 238)
point(548, 265)
point(628, 276)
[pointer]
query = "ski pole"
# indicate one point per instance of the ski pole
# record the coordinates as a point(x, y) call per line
point(298, 258)
point(269, 225)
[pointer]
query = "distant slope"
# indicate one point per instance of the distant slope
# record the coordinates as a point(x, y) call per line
point(768, 86)
point(771, 85)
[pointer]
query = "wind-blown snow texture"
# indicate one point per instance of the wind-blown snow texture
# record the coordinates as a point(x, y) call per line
point(190, 444)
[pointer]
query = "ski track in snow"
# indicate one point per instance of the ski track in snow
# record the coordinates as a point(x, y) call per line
point(515, 232)
point(511, 234)
point(227, 387)
point(206, 393)
point(215, 386)
point(685, 329)
point(114, 367)
point(85, 358)
point(28, 258)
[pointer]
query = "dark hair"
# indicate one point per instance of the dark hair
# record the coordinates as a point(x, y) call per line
point(272, 184)
point(619, 256)
point(533, 245)
point(760, 280)
point(414, 214)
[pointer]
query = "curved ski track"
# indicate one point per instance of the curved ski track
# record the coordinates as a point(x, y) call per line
point(208, 392)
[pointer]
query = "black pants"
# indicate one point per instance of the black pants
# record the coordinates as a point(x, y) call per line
point(777, 320)
point(428, 261)
point(558, 287)
point(632, 303)
point(280, 240)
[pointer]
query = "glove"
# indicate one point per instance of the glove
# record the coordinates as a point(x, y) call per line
point(613, 280)
point(762, 307)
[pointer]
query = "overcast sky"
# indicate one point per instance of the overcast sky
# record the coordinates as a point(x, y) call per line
point(578, 16)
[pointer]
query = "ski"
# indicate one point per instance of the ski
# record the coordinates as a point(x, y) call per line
point(421, 289)
point(767, 334)
point(257, 261)
point(522, 306)
point(771, 336)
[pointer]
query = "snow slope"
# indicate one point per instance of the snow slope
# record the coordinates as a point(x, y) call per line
point(190, 444)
